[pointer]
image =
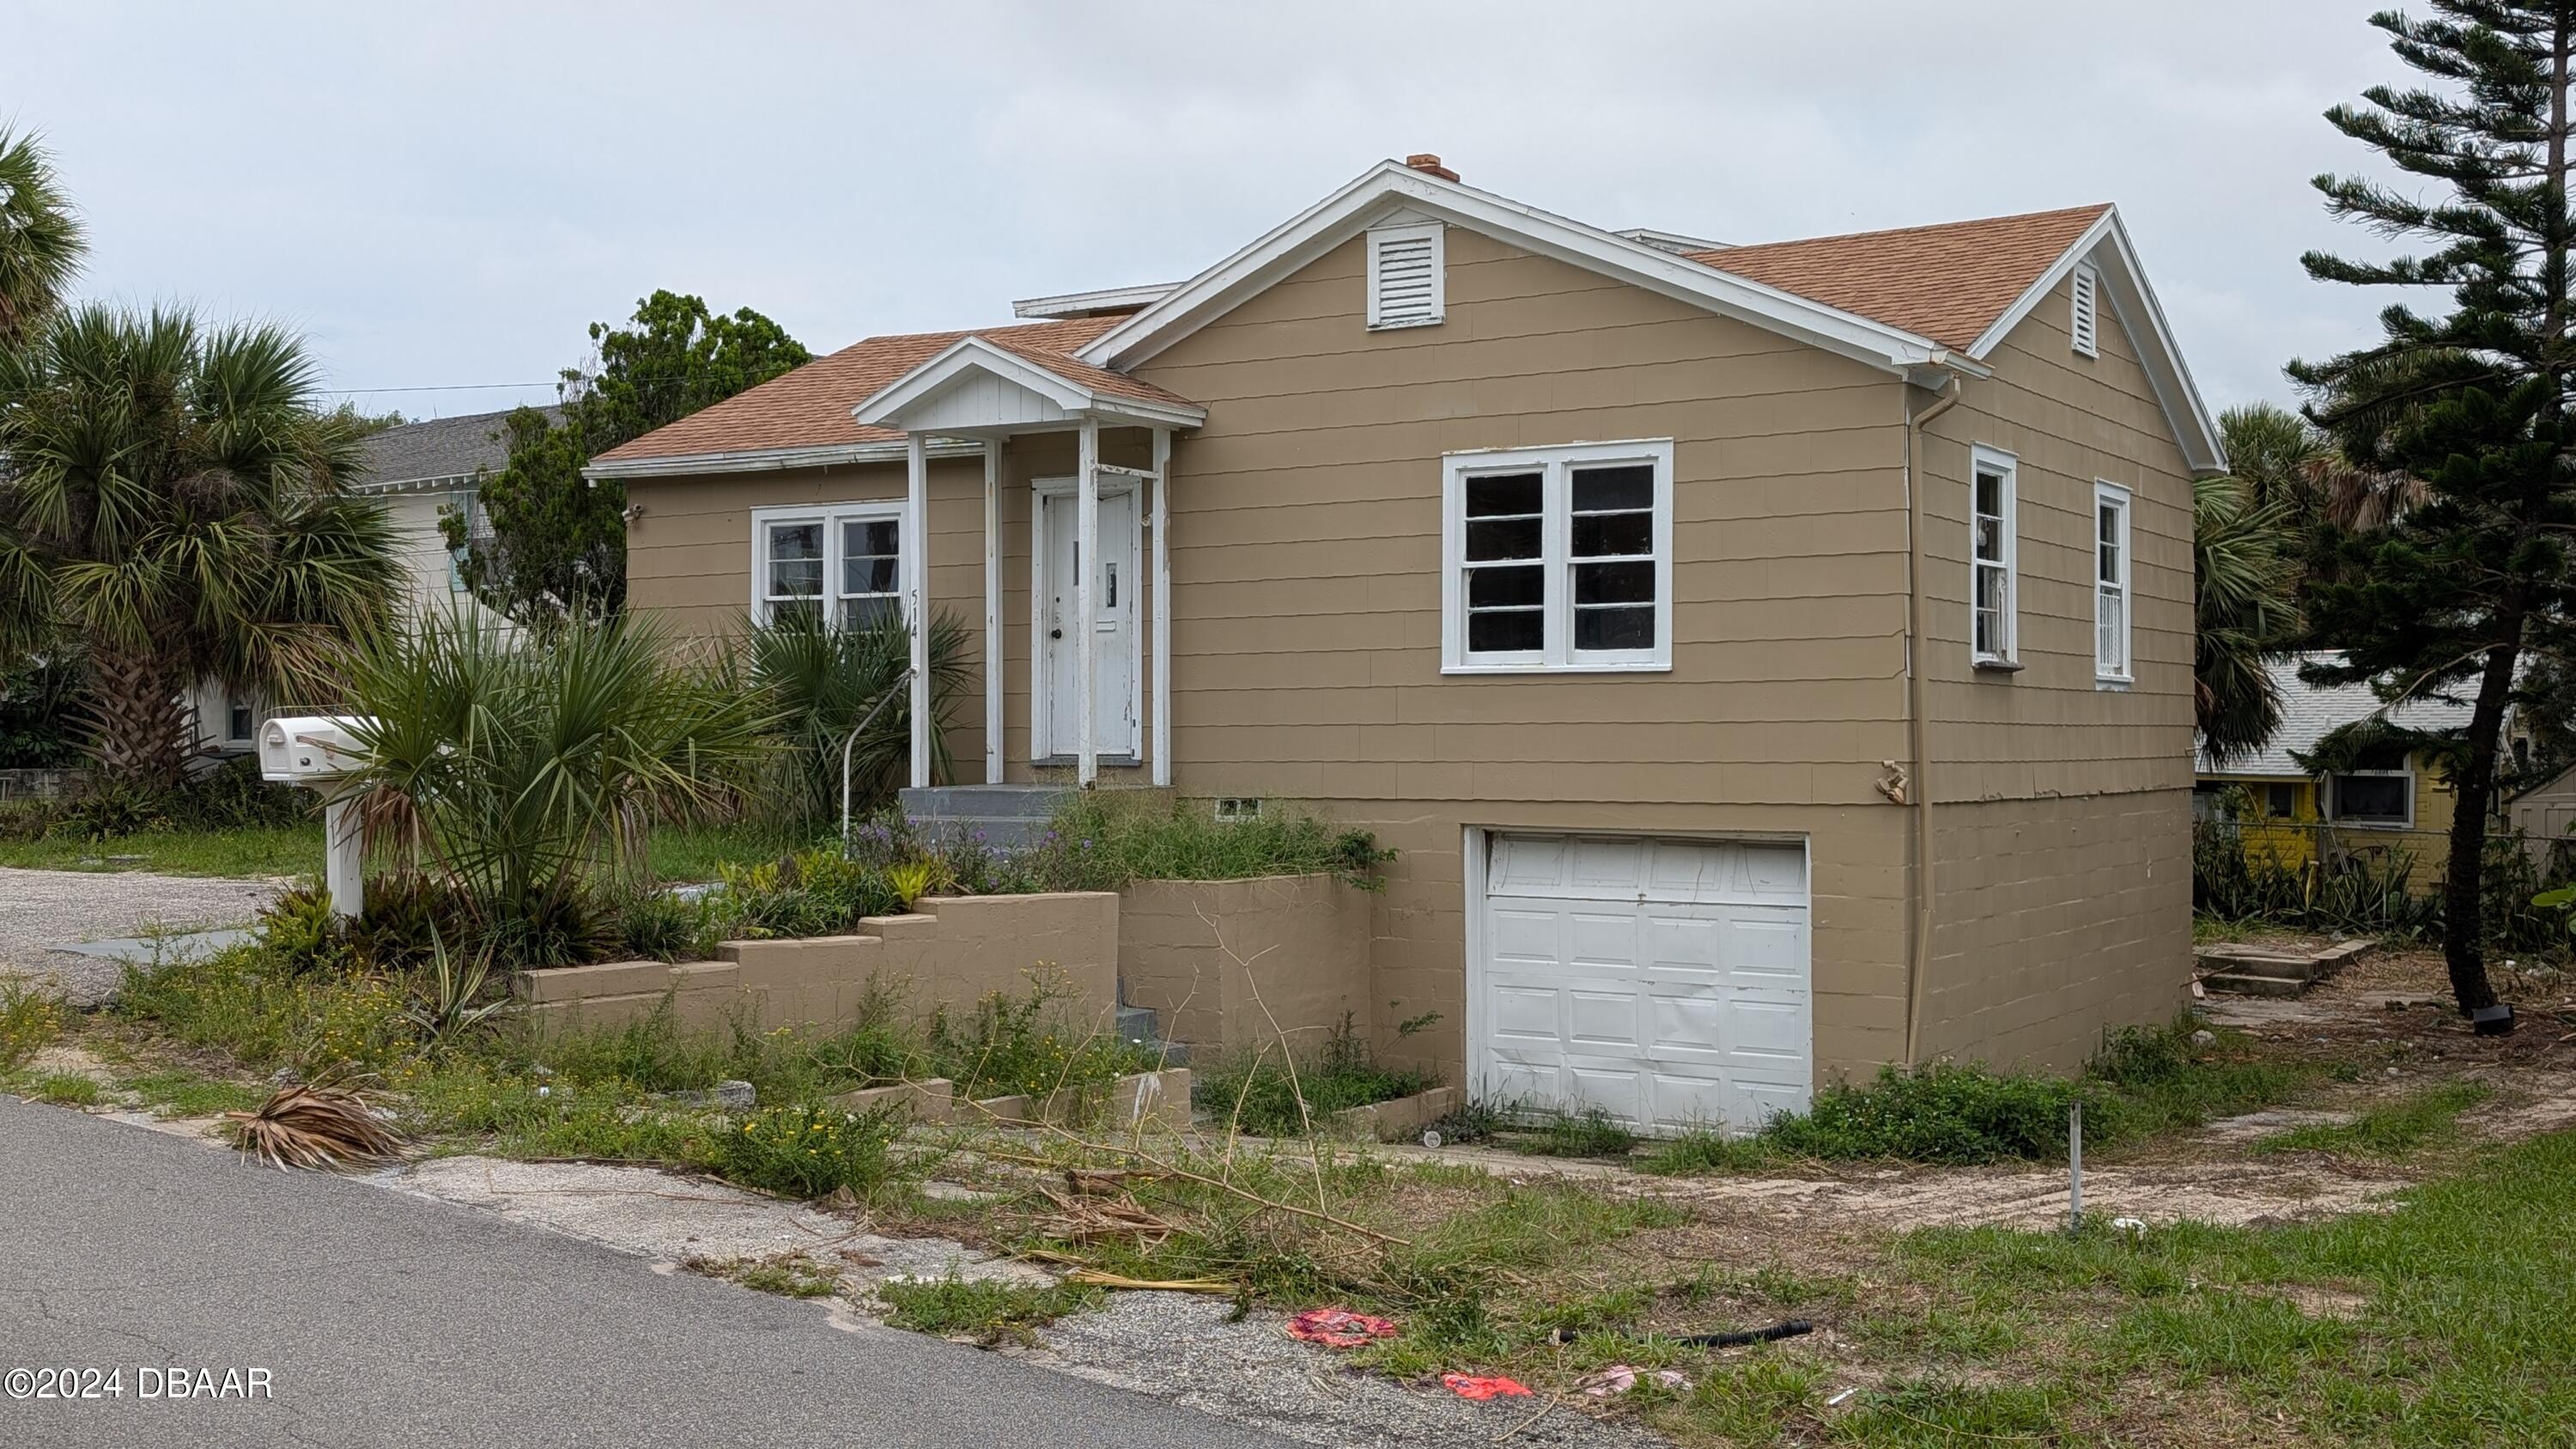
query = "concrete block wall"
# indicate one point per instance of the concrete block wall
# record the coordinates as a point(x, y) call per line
point(1236, 963)
point(953, 952)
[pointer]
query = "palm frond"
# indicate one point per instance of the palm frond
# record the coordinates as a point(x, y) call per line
point(314, 1127)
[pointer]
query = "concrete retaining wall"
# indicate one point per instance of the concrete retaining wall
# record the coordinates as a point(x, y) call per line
point(953, 952)
point(1210, 956)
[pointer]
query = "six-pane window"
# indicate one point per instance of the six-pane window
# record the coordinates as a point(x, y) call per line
point(1991, 587)
point(1559, 558)
point(847, 559)
point(2110, 582)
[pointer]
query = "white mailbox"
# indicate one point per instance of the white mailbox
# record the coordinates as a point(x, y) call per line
point(308, 749)
point(319, 751)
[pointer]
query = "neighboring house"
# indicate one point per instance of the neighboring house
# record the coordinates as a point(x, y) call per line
point(2399, 802)
point(2545, 815)
point(1769, 662)
point(416, 469)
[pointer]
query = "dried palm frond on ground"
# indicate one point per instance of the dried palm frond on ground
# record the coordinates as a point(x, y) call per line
point(1091, 1220)
point(322, 1127)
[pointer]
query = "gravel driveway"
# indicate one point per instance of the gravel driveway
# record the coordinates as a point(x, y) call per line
point(41, 909)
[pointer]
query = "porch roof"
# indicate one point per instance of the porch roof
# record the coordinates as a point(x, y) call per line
point(1000, 383)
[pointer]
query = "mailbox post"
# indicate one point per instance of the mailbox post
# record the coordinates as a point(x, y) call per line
point(319, 752)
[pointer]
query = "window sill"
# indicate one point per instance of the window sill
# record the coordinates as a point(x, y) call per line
point(1997, 666)
point(2115, 683)
point(2351, 822)
point(1646, 668)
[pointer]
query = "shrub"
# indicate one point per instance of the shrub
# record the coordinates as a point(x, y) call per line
point(660, 925)
point(815, 892)
point(265, 1011)
point(1021, 1046)
point(227, 796)
point(1096, 843)
point(1940, 1113)
point(1255, 1089)
point(806, 1151)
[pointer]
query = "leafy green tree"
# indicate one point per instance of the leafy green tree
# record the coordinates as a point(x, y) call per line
point(557, 544)
point(2473, 402)
point(174, 506)
point(41, 243)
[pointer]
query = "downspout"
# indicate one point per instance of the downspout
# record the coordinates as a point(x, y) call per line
point(1918, 782)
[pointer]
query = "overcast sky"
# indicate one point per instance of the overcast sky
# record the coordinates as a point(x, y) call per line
point(443, 194)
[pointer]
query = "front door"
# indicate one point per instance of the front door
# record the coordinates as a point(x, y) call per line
point(1115, 635)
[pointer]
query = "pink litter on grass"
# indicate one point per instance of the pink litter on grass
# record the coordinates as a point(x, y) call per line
point(1338, 1327)
point(1475, 1388)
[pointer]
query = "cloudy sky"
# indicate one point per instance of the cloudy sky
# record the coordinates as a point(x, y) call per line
point(444, 194)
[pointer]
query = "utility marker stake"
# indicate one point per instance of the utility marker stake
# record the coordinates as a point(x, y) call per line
point(2075, 1166)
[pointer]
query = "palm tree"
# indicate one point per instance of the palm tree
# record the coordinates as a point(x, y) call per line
point(2245, 580)
point(827, 680)
point(173, 505)
point(40, 238)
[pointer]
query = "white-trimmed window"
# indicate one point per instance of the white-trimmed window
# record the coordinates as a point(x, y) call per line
point(842, 562)
point(2372, 797)
point(2084, 297)
point(1407, 281)
point(1558, 558)
point(2111, 594)
point(1993, 584)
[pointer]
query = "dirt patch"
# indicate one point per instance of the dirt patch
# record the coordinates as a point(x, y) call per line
point(2211, 1192)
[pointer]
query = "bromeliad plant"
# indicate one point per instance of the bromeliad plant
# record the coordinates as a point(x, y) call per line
point(526, 772)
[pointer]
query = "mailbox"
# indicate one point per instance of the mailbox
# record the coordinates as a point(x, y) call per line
point(309, 749)
point(319, 751)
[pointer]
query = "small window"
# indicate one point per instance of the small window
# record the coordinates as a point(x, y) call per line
point(1406, 285)
point(2380, 797)
point(2084, 293)
point(1992, 586)
point(1238, 807)
point(241, 720)
point(2111, 631)
point(1559, 558)
point(2281, 802)
point(842, 564)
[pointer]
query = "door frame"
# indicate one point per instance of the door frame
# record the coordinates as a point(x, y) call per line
point(1475, 853)
point(1041, 698)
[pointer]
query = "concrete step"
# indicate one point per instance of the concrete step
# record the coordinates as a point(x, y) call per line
point(1139, 1024)
point(2246, 983)
point(985, 802)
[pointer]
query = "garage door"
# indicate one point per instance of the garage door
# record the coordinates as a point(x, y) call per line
point(1666, 981)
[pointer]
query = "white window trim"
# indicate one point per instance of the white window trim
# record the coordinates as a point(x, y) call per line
point(1558, 656)
point(2334, 802)
point(831, 516)
point(2125, 672)
point(2084, 309)
point(1995, 460)
point(1437, 235)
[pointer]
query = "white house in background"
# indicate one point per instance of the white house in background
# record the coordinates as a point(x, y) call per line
point(416, 470)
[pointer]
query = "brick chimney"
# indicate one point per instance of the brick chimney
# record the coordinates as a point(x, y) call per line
point(1424, 161)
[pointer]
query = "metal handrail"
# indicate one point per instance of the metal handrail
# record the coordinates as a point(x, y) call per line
point(851, 743)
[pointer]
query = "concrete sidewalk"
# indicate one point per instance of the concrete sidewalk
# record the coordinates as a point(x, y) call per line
point(387, 1319)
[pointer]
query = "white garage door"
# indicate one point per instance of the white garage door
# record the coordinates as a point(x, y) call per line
point(1664, 980)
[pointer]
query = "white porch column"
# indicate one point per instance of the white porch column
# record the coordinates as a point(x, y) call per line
point(916, 590)
point(1086, 567)
point(1162, 606)
point(993, 611)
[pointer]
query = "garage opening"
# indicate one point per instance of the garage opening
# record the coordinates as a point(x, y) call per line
point(1664, 981)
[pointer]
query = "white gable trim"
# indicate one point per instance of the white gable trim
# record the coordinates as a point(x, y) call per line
point(1056, 399)
point(1391, 186)
point(2123, 283)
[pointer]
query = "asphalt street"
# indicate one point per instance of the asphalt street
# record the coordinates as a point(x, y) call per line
point(381, 1318)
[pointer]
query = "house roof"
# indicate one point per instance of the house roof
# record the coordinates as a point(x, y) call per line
point(1949, 282)
point(2310, 712)
point(1919, 301)
point(437, 451)
point(810, 407)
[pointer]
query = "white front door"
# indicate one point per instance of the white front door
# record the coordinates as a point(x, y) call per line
point(1665, 981)
point(1115, 635)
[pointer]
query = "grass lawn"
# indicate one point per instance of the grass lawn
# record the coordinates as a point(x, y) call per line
point(295, 851)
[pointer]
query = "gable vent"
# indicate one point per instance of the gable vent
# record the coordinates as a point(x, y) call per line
point(1406, 287)
point(2085, 290)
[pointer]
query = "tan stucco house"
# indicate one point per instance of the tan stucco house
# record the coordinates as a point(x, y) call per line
point(1770, 661)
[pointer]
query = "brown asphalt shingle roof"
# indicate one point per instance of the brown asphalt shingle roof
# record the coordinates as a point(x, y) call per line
point(810, 407)
point(1947, 282)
